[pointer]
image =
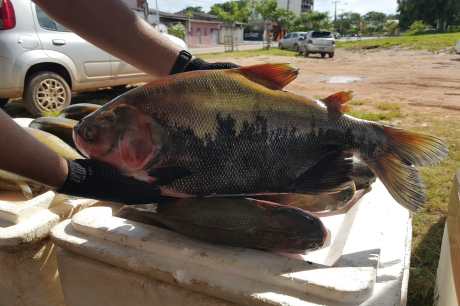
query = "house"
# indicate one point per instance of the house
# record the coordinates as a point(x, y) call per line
point(201, 29)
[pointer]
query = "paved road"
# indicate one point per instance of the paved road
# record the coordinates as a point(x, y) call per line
point(221, 48)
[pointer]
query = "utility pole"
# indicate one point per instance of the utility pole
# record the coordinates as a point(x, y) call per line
point(335, 9)
point(158, 12)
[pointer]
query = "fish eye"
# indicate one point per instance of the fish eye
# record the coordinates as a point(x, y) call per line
point(89, 133)
point(108, 120)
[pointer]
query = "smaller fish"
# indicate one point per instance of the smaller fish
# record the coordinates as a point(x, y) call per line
point(55, 143)
point(79, 111)
point(60, 127)
point(13, 182)
point(236, 222)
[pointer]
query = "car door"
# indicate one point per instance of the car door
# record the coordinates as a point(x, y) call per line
point(122, 71)
point(285, 40)
point(92, 64)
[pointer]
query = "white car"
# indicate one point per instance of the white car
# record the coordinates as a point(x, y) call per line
point(322, 42)
point(43, 62)
point(291, 41)
point(457, 47)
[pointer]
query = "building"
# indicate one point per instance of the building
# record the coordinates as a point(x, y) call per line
point(296, 6)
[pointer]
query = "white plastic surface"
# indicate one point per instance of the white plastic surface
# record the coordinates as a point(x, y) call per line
point(348, 271)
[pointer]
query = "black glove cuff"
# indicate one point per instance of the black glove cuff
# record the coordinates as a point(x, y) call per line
point(199, 64)
point(96, 180)
point(183, 59)
point(185, 62)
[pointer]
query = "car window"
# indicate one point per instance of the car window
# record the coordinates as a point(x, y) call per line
point(287, 36)
point(294, 35)
point(321, 35)
point(48, 23)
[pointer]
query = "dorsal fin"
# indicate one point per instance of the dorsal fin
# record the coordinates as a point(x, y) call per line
point(336, 103)
point(273, 76)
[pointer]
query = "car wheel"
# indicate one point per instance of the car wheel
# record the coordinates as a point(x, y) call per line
point(3, 102)
point(280, 46)
point(296, 47)
point(331, 55)
point(45, 92)
point(306, 53)
point(323, 55)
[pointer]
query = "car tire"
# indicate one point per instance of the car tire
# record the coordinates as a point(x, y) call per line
point(331, 55)
point(280, 46)
point(3, 102)
point(296, 47)
point(323, 55)
point(306, 53)
point(46, 92)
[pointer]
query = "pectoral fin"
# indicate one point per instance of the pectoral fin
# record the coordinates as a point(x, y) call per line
point(273, 76)
point(330, 174)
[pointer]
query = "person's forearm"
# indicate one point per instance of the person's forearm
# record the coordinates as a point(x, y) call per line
point(110, 25)
point(22, 154)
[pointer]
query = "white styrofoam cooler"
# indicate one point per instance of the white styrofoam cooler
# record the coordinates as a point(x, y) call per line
point(106, 260)
point(28, 268)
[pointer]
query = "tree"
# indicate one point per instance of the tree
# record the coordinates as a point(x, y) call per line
point(284, 20)
point(230, 13)
point(417, 27)
point(194, 9)
point(350, 23)
point(232, 8)
point(392, 27)
point(267, 9)
point(312, 21)
point(375, 21)
point(438, 13)
point(177, 30)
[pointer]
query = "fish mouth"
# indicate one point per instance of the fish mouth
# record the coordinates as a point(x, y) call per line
point(78, 144)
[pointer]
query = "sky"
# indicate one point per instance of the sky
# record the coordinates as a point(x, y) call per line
point(359, 6)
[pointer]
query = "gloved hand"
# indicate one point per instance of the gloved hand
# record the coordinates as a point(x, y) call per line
point(199, 64)
point(186, 62)
point(96, 180)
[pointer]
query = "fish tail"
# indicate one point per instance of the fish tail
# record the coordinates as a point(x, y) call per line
point(395, 161)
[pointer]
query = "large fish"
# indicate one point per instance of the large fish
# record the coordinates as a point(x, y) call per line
point(235, 132)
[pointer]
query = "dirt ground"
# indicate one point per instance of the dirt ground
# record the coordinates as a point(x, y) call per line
point(395, 75)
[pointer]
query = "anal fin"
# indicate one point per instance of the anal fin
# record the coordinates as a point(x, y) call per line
point(331, 174)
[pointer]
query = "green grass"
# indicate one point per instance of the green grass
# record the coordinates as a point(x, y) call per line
point(51, 114)
point(248, 53)
point(428, 225)
point(431, 42)
point(386, 106)
point(384, 115)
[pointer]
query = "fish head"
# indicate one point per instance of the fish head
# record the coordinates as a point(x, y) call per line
point(122, 136)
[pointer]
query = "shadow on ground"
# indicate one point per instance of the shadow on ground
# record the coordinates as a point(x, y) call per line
point(424, 263)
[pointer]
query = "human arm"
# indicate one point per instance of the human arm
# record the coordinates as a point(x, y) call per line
point(110, 25)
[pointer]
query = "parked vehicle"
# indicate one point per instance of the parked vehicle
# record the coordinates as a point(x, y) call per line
point(321, 42)
point(291, 41)
point(457, 47)
point(43, 62)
